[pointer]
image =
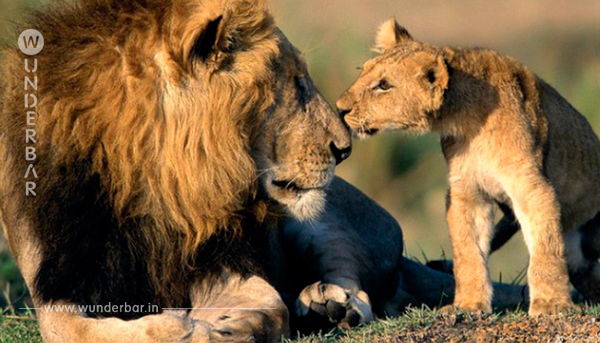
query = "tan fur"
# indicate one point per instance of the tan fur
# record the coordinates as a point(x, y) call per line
point(508, 138)
point(190, 143)
point(389, 34)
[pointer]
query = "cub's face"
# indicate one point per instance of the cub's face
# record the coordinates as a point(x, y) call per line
point(399, 89)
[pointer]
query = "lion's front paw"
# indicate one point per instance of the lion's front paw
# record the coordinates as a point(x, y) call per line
point(250, 326)
point(324, 304)
point(166, 328)
point(229, 329)
point(175, 327)
point(550, 306)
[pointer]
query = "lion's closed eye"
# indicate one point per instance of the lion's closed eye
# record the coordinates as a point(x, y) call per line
point(302, 90)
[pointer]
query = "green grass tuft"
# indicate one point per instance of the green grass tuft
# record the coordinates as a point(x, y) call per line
point(15, 329)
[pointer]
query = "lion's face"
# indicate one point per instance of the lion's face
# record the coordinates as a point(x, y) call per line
point(301, 140)
point(241, 68)
point(399, 89)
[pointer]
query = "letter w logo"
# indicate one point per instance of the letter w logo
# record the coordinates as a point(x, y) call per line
point(29, 40)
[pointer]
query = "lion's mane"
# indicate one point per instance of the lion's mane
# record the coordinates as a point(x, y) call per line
point(163, 172)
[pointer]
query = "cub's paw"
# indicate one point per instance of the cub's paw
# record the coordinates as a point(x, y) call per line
point(322, 305)
point(473, 307)
point(448, 309)
point(551, 307)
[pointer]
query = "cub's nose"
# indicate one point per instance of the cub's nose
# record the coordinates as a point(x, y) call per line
point(343, 108)
point(343, 113)
point(340, 154)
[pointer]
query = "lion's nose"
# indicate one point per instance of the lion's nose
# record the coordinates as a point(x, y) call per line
point(340, 154)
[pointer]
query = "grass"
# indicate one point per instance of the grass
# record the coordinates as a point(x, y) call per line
point(377, 331)
point(19, 329)
point(24, 329)
point(417, 325)
point(426, 325)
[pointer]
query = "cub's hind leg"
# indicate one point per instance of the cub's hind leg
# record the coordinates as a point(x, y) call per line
point(582, 260)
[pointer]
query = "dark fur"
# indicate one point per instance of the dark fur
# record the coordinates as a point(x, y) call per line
point(91, 258)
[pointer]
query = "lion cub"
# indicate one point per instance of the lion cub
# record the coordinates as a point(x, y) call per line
point(509, 139)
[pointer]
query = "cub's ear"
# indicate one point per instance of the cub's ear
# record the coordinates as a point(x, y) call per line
point(389, 35)
point(436, 77)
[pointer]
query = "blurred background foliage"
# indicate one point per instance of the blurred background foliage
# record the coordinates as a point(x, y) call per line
point(557, 39)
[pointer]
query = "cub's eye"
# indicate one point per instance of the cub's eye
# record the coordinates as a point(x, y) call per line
point(383, 85)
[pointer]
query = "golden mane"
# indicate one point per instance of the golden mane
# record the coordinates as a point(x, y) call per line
point(113, 90)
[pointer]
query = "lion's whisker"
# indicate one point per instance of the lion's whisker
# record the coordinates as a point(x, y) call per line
point(262, 172)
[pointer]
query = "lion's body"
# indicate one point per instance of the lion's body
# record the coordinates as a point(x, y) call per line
point(509, 139)
point(172, 136)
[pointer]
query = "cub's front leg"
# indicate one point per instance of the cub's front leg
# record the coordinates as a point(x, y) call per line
point(470, 219)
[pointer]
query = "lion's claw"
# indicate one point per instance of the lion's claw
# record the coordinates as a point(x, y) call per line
point(334, 305)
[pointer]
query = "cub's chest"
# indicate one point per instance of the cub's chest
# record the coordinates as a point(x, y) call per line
point(489, 185)
point(475, 170)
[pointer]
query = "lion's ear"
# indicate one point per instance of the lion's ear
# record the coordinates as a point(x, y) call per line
point(389, 35)
point(207, 41)
point(225, 28)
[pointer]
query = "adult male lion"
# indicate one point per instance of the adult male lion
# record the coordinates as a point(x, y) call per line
point(170, 136)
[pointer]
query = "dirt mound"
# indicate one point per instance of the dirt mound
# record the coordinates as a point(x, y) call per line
point(457, 327)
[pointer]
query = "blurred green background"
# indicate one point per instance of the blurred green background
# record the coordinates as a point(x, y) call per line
point(558, 39)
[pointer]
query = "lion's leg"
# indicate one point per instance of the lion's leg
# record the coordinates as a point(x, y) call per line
point(64, 323)
point(241, 310)
point(334, 256)
point(538, 211)
point(470, 219)
point(341, 268)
